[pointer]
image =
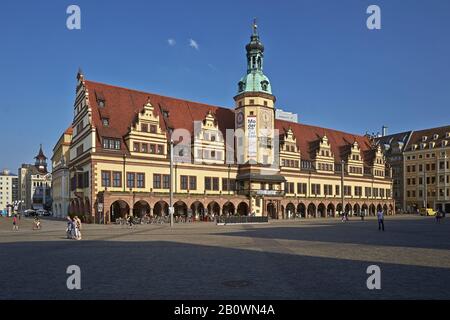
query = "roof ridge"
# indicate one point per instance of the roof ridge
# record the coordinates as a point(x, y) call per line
point(155, 94)
point(434, 128)
point(322, 128)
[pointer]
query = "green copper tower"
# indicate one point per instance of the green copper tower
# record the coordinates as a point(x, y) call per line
point(255, 80)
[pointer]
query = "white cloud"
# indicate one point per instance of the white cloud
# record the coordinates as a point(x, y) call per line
point(194, 44)
point(171, 42)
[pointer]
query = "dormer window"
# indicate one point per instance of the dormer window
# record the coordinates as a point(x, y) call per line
point(424, 138)
point(105, 122)
point(435, 136)
point(447, 135)
point(100, 98)
point(264, 85)
point(241, 86)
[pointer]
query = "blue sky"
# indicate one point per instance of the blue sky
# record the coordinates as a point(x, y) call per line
point(323, 62)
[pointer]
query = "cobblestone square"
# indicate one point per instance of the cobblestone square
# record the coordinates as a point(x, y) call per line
point(307, 259)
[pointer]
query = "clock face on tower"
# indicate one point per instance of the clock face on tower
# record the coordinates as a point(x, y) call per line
point(239, 119)
point(266, 119)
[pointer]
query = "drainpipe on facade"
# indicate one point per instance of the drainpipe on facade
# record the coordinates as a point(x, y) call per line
point(425, 192)
point(171, 209)
point(124, 173)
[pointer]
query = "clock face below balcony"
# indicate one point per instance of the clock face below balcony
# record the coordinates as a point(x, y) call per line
point(266, 119)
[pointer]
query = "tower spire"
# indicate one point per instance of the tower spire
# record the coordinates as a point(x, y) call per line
point(255, 27)
point(41, 160)
point(254, 80)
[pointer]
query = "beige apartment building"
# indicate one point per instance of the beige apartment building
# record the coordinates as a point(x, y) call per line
point(60, 175)
point(8, 190)
point(228, 161)
point(427, 170)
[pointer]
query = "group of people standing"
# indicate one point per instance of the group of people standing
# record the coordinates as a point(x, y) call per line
point(380, 218)
point(73, 228)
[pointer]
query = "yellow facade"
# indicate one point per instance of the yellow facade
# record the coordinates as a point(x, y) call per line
point(60, 175)
point(427, 174)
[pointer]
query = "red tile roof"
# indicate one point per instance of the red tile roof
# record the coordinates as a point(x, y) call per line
point(308, 136)
point(69, 130)
point(122, 106)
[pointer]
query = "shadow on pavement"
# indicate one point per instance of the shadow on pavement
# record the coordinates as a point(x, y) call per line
point(172, 270)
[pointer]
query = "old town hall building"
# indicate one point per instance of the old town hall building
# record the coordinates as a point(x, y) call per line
point(228, 161)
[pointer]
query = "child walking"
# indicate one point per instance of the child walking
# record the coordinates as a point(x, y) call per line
point(15, 223)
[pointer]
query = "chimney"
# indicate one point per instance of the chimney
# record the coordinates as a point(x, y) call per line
point(384, 131)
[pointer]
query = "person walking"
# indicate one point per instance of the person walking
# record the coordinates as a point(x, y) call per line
point(37, 224)
point(77, 222)
point(380, 216)
point(70, 228)
point(439, 216)
point(15, 223)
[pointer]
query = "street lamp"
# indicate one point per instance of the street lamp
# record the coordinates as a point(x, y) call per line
point(342, 186)
point(171, 208)
point(425, 192)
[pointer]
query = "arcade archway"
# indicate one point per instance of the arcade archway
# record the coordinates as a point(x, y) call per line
point(301, 209)
point(330, 210)
point(290, 210)
point(213, 208)
point(180, 208)
point(228, 209)
point(197, 209)
point(119, 209)
point(242, 209)
point(141, 208)
point(311, 210)
point(322, 211)
point(161, 208)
